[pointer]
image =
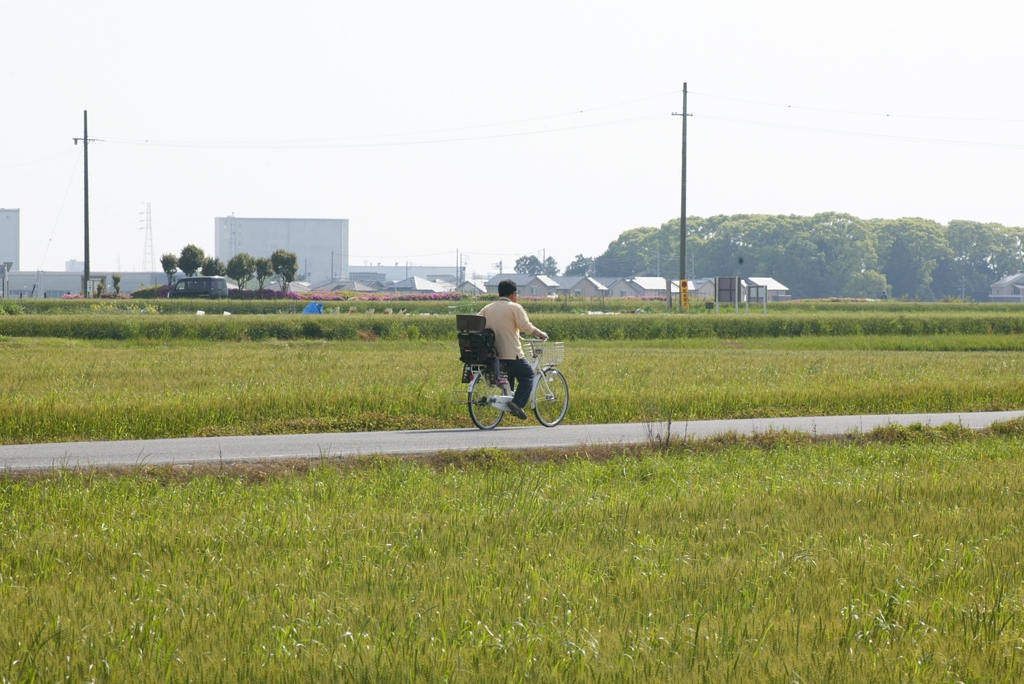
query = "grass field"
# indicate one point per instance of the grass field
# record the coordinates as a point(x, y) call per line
point(58, 390)
point(892, 558)
point(104, 325)
point(896, 559)
point(471, 305)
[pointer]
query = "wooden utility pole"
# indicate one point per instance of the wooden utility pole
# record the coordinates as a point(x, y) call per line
point(85, 143)
point(683, 294)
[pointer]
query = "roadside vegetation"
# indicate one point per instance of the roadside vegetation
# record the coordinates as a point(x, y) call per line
point(892, 557)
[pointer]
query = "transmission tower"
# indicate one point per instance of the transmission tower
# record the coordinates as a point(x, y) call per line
point(148, 258)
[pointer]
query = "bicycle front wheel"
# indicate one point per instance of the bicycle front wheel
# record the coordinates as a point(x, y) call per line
point(481, 403)
point(552, 397)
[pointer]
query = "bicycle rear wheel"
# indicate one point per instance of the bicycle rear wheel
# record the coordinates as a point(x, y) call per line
point(552, 397)
point(481, 403)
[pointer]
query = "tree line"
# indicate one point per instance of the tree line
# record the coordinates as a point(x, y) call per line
point(241, 268)
point(825, 255)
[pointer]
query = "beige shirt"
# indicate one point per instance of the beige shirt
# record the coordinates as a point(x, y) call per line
point(507, 319)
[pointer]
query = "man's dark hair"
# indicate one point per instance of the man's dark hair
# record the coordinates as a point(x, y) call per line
point(506, 288)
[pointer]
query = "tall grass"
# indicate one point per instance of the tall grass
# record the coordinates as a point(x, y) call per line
point(471, 305)
point(57, 390)
point(280, 306)
point(873, 562)
point(560, 325)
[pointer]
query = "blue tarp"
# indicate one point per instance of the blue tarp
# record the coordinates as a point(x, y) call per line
point(314, 308)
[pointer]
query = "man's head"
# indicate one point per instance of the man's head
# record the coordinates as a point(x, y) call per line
point(506, 288)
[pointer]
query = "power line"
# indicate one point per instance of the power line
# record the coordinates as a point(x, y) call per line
point(883, 136)
point(60, 211)
point(859, 113)
point(331, 141)
point(313, 144)
point(37, 161)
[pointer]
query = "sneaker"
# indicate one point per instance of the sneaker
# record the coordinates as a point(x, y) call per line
point(516, 410)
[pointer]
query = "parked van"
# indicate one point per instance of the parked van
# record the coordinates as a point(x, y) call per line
point(211, 287)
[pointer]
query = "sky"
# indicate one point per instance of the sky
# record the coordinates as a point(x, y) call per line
point(497, 131)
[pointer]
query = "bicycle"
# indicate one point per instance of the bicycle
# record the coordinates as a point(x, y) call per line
point(488, 397)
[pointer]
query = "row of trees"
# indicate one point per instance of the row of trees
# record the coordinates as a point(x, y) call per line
point(241, 268)
point(534, 266)
point(825, 255)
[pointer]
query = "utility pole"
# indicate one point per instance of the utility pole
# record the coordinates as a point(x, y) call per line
point(85, 143)
point(683, 294)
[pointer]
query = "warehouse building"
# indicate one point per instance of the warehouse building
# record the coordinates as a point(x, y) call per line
point(10, 238)
point(321, 245)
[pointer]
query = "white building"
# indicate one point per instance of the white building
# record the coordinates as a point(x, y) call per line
point(10, 237)
point(56, 284)
point(370, 273)
point(321, 245)
point(776, 290)
point(1008, 289)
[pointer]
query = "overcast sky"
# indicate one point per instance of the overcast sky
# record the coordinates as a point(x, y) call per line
point(498, 130)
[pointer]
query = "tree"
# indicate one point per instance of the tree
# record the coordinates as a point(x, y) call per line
point(116, 277)
point(529, 265)
point(910, 250)
point(212, 266)
point(980, 254)
point(191, 259)
point(264, 269)
point(642, 251)
point(286, 265)
point(169, 263)
point(550, 267)
point(241, 268)
point(581, 266)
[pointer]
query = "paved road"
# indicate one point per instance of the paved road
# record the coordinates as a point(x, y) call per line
point(230, 449)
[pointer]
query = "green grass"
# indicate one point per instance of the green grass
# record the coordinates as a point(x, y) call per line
point(278, 306)
point(891, 560)
point(471, 304)
point(105, 325)
point(61, 390)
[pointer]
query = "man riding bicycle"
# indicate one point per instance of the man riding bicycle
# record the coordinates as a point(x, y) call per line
point(507, 318)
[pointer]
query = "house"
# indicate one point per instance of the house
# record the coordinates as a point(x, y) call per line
point(528, 285)
point(277, 285)
point(641, 286)
point(702, 289)
point(580, 286)
point(343, 286)
point(417, 285)
point(473, 287)
point(776, 290)
point(623, 287)
point(1008, 289)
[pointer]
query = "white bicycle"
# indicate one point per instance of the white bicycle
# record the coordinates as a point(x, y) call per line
point(488, 398)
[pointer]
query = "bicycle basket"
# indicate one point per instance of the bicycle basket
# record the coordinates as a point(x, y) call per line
point(551, 353)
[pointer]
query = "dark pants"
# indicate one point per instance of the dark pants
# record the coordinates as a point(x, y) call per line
point(520, 378)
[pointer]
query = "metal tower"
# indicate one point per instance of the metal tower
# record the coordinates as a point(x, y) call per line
point(148, 258)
